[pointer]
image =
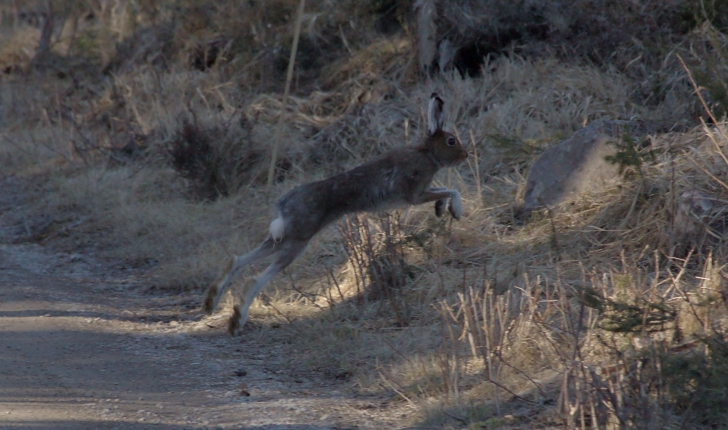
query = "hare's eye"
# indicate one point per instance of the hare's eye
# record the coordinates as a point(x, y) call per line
point(451, 141)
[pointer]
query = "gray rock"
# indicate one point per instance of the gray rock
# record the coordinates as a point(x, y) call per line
point(578, 165)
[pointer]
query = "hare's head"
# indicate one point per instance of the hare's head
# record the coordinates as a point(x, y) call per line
point(445, 148)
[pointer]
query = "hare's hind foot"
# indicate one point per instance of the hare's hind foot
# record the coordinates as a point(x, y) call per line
point(237, 324)
point(234, 321)
point(238, 319)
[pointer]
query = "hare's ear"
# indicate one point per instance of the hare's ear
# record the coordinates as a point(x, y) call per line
point(434, 114)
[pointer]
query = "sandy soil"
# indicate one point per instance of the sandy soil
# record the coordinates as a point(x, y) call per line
point(85, 345)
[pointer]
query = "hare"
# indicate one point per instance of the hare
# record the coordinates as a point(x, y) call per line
point(399, 178)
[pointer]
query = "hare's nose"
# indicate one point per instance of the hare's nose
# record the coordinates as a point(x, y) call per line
point(464, 155)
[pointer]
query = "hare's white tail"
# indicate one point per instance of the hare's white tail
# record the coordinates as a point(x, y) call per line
point(277, 229)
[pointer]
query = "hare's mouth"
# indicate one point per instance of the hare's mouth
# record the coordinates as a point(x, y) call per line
point(458, 162)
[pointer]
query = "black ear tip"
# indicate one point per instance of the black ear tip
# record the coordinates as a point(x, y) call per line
point(434, 96)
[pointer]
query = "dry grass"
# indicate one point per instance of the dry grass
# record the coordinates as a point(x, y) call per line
point(582, 318)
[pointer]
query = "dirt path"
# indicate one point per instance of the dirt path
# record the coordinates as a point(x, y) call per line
point(85, 347)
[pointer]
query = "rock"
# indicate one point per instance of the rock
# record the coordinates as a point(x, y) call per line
point(577, 164)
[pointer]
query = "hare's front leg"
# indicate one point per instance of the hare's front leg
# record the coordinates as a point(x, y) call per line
point(440, 204)
point(440, 207)
point(456, 205)
point(440, 195)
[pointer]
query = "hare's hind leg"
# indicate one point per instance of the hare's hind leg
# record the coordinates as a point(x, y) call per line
point(288, 252)
point(234, 267)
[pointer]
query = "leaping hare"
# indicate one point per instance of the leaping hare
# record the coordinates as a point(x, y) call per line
point(400, 178)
